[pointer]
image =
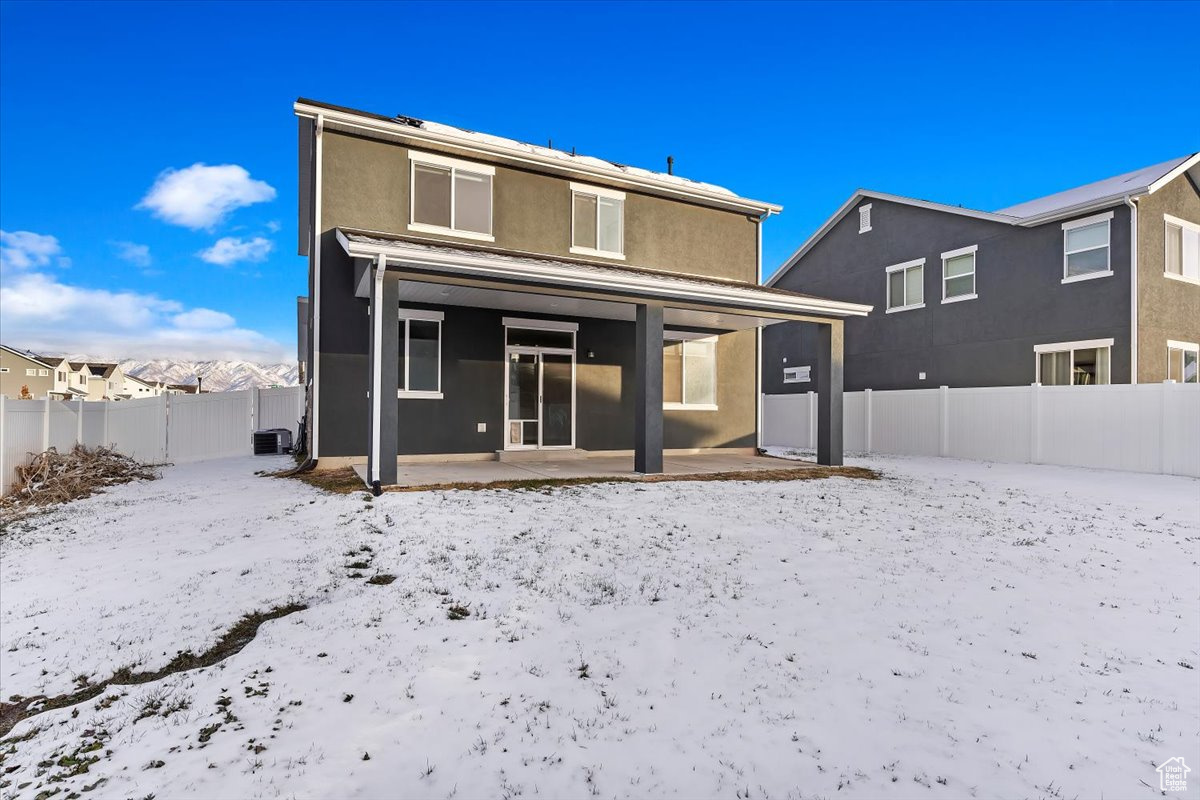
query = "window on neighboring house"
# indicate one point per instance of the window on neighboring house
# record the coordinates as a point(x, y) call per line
point(1086, 248)
point(1074, 363)
point(82, 380)
point(451, 196)
point(864, 218)
point(420, 373)
point(43, 373)
point(1181, 362)
point(31, 373)
point(906, 286)
point(597, 221)
point(3, 369)
point(1183, 249)
point(689, 371)
point(62, 376)
point(958, 274)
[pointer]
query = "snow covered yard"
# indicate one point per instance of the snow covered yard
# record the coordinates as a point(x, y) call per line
point(956, 629)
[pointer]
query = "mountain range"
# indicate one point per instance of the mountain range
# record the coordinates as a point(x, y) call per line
point(219, 376)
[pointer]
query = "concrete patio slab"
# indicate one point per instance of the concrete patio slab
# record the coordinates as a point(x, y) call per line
point(439, 473)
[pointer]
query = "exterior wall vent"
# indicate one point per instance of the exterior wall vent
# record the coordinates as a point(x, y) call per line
point(864, 218)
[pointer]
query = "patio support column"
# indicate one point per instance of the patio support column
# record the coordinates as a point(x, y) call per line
point(648, 391)
point(829, 393)
point(384, 378)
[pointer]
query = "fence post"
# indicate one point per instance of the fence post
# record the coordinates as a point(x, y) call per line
point(1164, 433)
point(867, 420)
point(104, 442)
point(812, 420)
point(46, 423)
point(943, 421)
point(255, 404)
point(164, 422)
point(3, 464)
point(79, 422)
point(1035, 423)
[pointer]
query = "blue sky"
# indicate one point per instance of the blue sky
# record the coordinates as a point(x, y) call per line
point(977, 104)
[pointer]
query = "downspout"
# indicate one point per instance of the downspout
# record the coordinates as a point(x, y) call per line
point(376, 373)
point(758, 351)
point(1133, 289)
point(316, 299)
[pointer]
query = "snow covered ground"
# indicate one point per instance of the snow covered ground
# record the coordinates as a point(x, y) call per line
point(956, 629)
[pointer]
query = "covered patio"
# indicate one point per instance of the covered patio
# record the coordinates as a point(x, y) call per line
point(391, 272)
point(441, 473)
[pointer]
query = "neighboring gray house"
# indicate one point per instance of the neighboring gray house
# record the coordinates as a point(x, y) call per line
point(1049, 290)
point(472, 296)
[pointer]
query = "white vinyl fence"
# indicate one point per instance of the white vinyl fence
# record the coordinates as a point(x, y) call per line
point(1140, 428)
point(170, 428)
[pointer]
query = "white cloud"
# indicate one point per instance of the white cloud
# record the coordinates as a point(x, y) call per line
point(25, 249)
point(230, 250)
point(200, 196)
point(273, 226)
point(203, 319)
point(42, 313)
point(134, 253)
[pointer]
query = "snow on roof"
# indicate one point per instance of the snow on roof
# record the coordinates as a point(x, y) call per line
point(1130, 183)
point(592, 161)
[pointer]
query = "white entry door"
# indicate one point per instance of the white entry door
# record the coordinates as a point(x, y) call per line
point(539, 398)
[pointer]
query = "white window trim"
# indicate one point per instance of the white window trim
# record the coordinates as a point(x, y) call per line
point(1083, 223)
point(1071, 347)
point(1187, 347)
point(452, 164)
point(861, 209)
point(598, 191)
point(541, 324)
point(1179, 223)
point(684, 337)
point(406, 315)
point(949, 254)
point(907, 265)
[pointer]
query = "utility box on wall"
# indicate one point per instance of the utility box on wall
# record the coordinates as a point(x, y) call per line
point(797, 374)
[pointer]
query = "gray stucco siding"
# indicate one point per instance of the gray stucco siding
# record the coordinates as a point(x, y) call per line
point(987, 341)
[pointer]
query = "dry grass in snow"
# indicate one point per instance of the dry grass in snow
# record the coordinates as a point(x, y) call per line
point(952, 630)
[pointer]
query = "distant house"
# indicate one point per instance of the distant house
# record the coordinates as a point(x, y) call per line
point(66, 383)
point(23, 374)
point(181, 388)
point(139, 388)
point(105, 382)
point(1097, 284)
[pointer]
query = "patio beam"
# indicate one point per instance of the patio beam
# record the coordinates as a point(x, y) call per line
point(830, 347)
point(384, 379)
point(648, 390)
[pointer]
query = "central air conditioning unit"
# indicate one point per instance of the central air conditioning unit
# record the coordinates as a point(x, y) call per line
point(272, 441)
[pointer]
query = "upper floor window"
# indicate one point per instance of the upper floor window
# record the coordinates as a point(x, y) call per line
point(420, 374)
point(449, 196)
point(864, 218)
point(1074, 363)
point(597, 221)
point(689, 371)
point(62, 376)
point(1181, 361)
point(906, 286)
point(1183, 249)
point(31, 372)
point(958, 274)
point(1086, 248)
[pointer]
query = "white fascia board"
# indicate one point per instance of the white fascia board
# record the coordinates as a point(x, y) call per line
point(541, 324)
point(1187, 164)
point(483, 265)
point(547, 163)
point(1111, 201)
point(865, 194)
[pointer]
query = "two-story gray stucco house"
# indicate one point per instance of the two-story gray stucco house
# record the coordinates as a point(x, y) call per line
point(471, 296)
point(1054, 290)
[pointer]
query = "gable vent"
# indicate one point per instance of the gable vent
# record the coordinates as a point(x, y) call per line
point(864, 218)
